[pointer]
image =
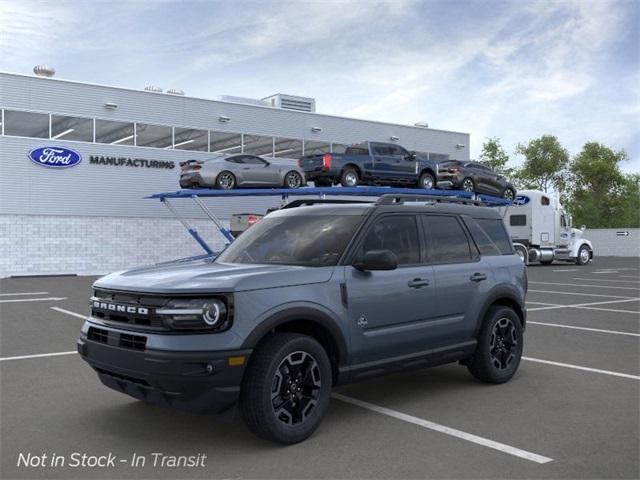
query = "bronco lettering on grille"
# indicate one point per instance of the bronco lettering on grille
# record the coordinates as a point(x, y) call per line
point(120, 308)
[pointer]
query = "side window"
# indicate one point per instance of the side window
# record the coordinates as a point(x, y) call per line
point(397, 233)
point(250, 159)
point(398, 151)
point(518, 220)
point(447, 242)
point(235, 160)
point(545, 201)
point(490, 236)
point(563, 221)
point(381, 149)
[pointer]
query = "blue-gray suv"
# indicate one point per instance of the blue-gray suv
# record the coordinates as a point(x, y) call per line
point(312, 297)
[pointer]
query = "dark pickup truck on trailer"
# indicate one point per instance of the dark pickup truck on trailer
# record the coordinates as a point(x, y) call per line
point(371, 163)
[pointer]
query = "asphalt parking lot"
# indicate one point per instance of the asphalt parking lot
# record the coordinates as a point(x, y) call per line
point(572, 411)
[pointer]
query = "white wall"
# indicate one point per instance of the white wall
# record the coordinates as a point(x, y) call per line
point(606, 242)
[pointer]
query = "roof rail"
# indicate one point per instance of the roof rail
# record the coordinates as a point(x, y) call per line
point(303, 202)
point(390, 199)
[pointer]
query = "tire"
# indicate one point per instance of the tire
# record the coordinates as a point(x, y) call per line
point(523, 253)
point(489, 363)
point(509, 194)
point(546, 262)
point(584, 255)
point(468, 185)
point(349, 177)
point(293, 179)
point(427, 181)
point(267, 368)
point(226, 180)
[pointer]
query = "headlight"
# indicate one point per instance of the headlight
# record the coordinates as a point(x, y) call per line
point(211, 314)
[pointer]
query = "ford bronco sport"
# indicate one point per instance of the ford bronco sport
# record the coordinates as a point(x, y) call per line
point(309, 298)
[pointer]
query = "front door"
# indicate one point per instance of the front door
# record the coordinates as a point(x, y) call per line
point(390, 312)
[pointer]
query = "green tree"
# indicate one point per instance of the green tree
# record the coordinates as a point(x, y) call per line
point(545, 163)
point(495, 157)
point(600, 195)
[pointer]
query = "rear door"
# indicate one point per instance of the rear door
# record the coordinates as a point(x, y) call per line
point(383, 160)
point(462, 276)
point(390, 313)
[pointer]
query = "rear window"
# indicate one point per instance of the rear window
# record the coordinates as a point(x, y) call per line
point(447, 242)
point(490, 236)
point(356, 151)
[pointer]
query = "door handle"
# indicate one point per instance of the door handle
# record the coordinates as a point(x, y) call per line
point(246, 168)
point(418, 282)
point(478, 277)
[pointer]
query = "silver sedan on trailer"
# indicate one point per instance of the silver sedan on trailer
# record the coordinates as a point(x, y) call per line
point(242, 170)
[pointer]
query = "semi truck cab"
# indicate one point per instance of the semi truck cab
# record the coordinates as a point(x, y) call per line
point(541, 230)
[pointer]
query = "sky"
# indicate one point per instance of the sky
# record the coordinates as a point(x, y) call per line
point(514, 70)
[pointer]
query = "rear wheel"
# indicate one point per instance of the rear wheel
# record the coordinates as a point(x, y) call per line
point(584, 255)
point(226, 180)
point(468, 185)
point(349, 178)
point(427, 181)
point(509, 193)
point(286, 389)
point(546, 262)
point(293, 179)
point(499, 349)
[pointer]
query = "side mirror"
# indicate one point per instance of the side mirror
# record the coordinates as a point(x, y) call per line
point(376, 260)
point(583, 228)
point(411, 157)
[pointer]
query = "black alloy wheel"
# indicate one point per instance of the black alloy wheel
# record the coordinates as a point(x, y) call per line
point(468, 185)
point(295, 389)
point(508, 194)
point(504, 343)
point(293, 179)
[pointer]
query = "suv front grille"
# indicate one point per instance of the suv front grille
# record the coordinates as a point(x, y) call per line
point(123, 340)
point(135, 310)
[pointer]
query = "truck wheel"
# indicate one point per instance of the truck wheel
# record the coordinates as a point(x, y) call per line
point(349, 178)
point(523, 253)
point(427, 181)
point(226, 180)
point(546, 262)
point(584, 255)
point(499, 349)
point(468, 185)
point(508, 194)
point(286, 388)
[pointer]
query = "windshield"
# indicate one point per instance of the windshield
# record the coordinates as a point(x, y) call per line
point(311, 240)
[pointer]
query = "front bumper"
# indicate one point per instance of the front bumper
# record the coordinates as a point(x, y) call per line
point(201, 382)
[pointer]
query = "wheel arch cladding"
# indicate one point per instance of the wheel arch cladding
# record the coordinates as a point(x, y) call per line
point(502, 297)
point(305, 321)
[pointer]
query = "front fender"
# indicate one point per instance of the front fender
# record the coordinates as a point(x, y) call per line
point(576, 246)
point(314, 313)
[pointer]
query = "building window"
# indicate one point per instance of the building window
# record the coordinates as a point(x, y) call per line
point(315, 148)
point(258, 145)
point(114, 133)
point(26, 124)
point(71, 128)
point(438, 157)
point(190, 139)
point(157, 136)
point(287, 148)
point(225, 142)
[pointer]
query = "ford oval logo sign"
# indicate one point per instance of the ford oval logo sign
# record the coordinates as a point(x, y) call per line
point(521, 200)
point(55, 157)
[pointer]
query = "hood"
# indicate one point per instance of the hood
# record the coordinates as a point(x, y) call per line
point(203, 276)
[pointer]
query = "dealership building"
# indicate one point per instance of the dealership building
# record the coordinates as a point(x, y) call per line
point(92, 217)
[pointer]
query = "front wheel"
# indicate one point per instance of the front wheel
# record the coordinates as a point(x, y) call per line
point(427, 181)
point(509, 194)
point(499, 349)
point(468, 185)
point(286, 389)
point(584, 255)
point(293, 179)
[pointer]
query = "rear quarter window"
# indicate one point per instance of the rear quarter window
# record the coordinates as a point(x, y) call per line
point(490, 236)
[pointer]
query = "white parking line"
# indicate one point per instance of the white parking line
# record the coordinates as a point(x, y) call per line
point(582, 285)
point(582, 294)
point(605, 272)
point(606, 280)
point(567, 270)
point(23, 293)
point(579, 367)
point(48, 299)
point(632, 312)
point(547, 304)
point(41, 355)
point(485, 442)
point(585, 305)
point(73, 314)
point(628, 276)
point(597, 330)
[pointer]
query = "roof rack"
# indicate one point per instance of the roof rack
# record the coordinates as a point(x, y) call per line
point(390, 199)
point(304, 202)
point(387, 196)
